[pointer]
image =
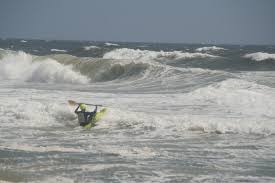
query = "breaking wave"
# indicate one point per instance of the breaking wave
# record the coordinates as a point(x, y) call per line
point(132, 54)
point(64, 68)
point(211, 48)
point(100, 70)
point(260, 56)
point(21, 66)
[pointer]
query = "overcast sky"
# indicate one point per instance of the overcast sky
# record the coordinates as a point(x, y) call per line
point(181, 21)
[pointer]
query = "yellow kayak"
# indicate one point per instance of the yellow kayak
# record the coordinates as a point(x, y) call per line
point(96, 118)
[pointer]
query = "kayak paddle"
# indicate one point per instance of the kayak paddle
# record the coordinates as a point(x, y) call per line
point(71, 102)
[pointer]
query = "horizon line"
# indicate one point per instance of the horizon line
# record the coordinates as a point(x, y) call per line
point(154, 42)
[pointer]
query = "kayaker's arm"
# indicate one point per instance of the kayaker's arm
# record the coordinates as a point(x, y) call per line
point(95, 109)
point(76, 109)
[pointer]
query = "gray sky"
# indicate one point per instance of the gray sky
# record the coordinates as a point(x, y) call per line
point(182, 21)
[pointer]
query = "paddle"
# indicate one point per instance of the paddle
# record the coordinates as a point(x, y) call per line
point(71, 102)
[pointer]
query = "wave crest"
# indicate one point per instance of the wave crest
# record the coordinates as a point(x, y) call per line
point(87, 48)
point(132, 54)
point(210, 48)
point(260, 56)
point(58, 50)
point(111, 44)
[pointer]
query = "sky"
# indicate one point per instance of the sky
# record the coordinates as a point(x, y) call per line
point(172, 21)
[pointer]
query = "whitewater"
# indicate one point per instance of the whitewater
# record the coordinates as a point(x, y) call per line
point(176, 112)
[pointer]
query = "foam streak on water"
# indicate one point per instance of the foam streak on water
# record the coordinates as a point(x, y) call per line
point(171, 116)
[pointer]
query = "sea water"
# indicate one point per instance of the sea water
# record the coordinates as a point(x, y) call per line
point(176, 112)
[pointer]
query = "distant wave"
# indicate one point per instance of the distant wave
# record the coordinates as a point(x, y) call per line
point(23, 41)
point(64, 68)
point(90, 47)
point(211, 48)
point(260, 56)
point(132, 54)
point(111, 44)
point(58, 50)
point(143, 46)
point(21, 66)
point(101, 70)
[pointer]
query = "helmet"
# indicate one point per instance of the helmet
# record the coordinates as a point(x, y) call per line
point(82, 107)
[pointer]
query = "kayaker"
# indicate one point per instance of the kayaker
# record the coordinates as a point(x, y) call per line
point(84, 117)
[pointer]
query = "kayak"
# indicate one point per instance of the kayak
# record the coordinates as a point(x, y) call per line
point(96, 118)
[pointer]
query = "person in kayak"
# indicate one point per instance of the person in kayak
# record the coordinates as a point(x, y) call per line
point(83, 116)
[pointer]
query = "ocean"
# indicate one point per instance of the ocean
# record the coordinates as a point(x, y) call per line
point(176, 112)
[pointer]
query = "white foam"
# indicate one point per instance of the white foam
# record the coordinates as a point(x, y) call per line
point(58, 50)
point(246, 97)
point(211, 48)
point(132, 54)
point(20, 66)
point(241, 107)
point(90, 47)
point(260, 56)
point(33, 113)
point(23, 41)
point(111, 44)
